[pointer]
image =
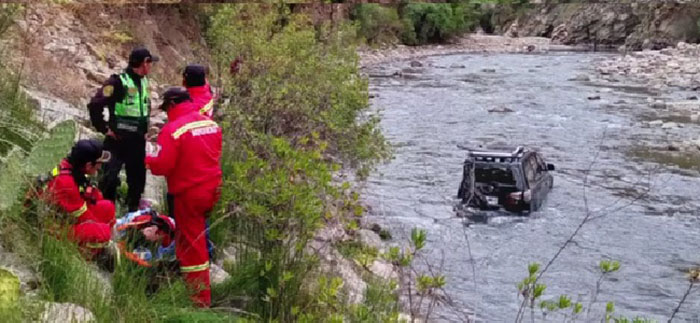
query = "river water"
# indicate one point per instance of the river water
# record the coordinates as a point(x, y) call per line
point(427, 111)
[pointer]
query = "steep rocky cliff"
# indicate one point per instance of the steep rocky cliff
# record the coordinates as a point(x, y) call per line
point(637, 25)
point(65, 52)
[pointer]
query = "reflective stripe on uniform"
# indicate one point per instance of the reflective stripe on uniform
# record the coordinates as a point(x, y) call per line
point(189, 269)
point(80, 211)
point(205, 110)
point(193, 125)
point(96, 245)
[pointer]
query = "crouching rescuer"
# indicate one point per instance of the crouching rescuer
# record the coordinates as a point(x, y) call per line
point(188, 154)
point(89, 216)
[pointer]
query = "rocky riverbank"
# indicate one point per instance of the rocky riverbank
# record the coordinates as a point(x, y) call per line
point(473, 43)
point(670, 77)
point(677, 67)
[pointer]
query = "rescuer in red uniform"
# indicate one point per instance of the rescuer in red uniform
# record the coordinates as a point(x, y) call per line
point(188, 154)
point(91, 217)
point(194, 78)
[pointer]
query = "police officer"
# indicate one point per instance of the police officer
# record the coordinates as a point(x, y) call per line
point(127, 98)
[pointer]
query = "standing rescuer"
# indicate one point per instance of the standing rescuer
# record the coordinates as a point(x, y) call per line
point(127, 98)
point(194, 78)
point(91, 217)
point(188, 154)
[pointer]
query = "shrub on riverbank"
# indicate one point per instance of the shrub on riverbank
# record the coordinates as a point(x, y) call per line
point(378, 24)
point(415, 23)
point(298, 111)
point(436, 22)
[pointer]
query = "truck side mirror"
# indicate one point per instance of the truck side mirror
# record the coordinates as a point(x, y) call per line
point(550, 167)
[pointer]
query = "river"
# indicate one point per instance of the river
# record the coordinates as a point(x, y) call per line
point(428, 111)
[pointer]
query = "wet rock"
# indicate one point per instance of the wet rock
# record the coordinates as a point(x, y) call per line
point(594, 97)
point(416, 64)
point(66, 312)
point(489, 70)
point(656, 123)
point(658, 105)
point(692, 98)
point(580, 78)
point(673, 147)
point(669, 125)
point(410, 70)
point(501, 109)
point(458, 66)
point(409, 76)
point(472, 78)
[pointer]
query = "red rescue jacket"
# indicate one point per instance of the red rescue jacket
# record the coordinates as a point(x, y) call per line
point(68, 196)
point(202, 99)
point(189, 150)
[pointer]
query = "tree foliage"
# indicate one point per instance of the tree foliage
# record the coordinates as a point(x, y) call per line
point(297, 111)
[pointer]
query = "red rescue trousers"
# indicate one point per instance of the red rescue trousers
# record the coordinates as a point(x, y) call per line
point(191, 209)
point(93, 230)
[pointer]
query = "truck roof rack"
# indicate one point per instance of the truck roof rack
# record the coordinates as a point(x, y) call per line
point(498, 156)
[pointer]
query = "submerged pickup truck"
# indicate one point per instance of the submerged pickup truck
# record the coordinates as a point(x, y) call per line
point(516, 180)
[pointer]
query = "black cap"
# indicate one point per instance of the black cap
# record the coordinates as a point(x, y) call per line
point(175, 94)
point(195, 75)
point(88, 150)
point(139, 55)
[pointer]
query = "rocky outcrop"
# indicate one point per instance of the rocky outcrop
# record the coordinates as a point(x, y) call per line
point(577, 23)
point(663, 24)
point(636, 25)
point(67, 51)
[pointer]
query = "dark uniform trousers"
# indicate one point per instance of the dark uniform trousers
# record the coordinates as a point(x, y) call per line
point(128, 151)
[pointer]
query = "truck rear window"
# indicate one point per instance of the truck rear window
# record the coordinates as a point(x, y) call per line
point(502, 175)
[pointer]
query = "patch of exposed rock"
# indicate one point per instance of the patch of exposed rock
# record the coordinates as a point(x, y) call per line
point(66, 312)
point(636, 24)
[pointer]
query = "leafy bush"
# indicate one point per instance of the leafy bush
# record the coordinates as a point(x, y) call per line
point(377, 24)
point(17, 128)
point(297, 112)
point(435, 22)
point(297, 82)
